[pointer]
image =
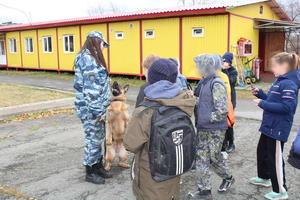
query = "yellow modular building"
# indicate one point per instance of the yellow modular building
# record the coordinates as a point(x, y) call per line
point(178, 32)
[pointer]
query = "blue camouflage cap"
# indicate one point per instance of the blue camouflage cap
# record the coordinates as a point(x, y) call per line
point(99, 35)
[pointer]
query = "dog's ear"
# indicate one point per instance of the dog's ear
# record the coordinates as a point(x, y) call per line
point(126, 88)
point(115, 85)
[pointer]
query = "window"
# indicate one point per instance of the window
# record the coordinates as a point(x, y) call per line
point(12, 45)
point(119, 35)
point(198, 32)
point(261, 10)
point(69, 43)
point(47, 44)
point(2, 48)
point(149, 34)
point(28, 45)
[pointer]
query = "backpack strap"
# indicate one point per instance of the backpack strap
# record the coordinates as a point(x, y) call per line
point(149, 104)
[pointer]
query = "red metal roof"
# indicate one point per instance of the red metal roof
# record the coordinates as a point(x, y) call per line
point(219, 6)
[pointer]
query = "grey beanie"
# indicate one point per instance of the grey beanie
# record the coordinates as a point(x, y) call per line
point(207, 64)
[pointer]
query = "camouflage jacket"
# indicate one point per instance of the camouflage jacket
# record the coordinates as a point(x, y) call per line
point(92, 87)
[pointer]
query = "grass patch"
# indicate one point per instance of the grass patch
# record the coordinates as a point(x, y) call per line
point(12, 95)
point(133, 81)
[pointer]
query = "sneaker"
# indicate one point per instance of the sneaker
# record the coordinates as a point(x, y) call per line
point(261, 182)
point(230, 148)
point(200, 195)
point(277, 196)
point(224, 155)
point(226, 184)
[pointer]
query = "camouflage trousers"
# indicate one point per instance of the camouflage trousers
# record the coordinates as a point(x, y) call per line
point(94, 137)
point(209, 158)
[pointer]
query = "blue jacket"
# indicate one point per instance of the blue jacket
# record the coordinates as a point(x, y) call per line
point(92, 88)
point(279, 106)
point(182, 82)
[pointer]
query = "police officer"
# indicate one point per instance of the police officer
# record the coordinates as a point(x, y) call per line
point(92, 99)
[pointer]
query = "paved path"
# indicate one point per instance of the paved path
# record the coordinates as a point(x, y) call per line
point(245, 107)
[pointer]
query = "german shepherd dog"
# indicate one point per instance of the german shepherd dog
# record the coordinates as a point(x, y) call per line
point(118, 118)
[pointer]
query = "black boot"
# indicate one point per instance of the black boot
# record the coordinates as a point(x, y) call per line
point(92, 177)
point(99, 169)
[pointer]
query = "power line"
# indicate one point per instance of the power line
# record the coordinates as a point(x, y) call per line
point(27, 15)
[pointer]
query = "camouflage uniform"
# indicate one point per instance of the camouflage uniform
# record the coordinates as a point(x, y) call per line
point(92, 99)
point(210, 143)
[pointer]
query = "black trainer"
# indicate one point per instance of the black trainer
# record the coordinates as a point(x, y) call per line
point(226, 184)
point(99, 169)
point(200, 195)
point(92, 177)
point(230, 148)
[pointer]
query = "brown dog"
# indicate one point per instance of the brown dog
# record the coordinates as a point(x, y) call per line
point(118, 118)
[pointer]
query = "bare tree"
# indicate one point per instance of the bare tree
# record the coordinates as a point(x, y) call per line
point(292, 8)
point(103, 8)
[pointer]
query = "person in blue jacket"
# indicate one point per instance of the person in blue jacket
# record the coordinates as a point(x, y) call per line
point(91, 101)
point(279, 107)
point(294, 157)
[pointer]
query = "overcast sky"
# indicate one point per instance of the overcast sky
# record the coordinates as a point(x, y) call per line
point(44, 10)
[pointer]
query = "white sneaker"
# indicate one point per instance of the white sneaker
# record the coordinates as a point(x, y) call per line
point(225, 155)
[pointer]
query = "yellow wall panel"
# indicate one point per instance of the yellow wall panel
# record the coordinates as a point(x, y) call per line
point(66, 59)
point(13, 59)
point(253, 11)
point(29, 59)
point(125, 53)
point(86, 29)
point(241, 27)
point(48, 60)
point(213, 41)
point(165, 42)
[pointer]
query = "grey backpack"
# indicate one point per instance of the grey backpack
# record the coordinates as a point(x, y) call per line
point(172, 147)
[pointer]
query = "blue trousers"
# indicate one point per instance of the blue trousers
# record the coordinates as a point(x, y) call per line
point(94, 137)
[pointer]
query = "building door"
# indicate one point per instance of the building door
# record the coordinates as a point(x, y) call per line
point(2, 53)
point(270, 43)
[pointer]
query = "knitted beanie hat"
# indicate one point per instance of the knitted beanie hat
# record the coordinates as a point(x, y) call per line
point(162, 69)
point(227, 57)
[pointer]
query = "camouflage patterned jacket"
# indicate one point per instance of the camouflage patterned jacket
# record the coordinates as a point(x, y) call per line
point(92, 88)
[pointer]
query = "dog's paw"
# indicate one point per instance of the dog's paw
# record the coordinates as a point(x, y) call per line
point(124, 165)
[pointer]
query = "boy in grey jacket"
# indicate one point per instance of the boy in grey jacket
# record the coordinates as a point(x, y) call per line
point(211, 125)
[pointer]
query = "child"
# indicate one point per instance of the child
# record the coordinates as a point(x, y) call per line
point(181, 80)
point(232, 74)
point(164, 90)
point(279, 107)
point(146, 65)
point(294, 157)
point(211, 123)
point(230, 116)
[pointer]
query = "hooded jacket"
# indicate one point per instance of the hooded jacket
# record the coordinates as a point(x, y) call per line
point(137, 138)
point(279, 106)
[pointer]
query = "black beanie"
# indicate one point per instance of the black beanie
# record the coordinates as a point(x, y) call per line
point(162, 69)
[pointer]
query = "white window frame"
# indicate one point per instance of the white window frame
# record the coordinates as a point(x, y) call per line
point(12, 45)
point(149, 36)
point(28, 45)
point(46, 46)
point(67, 49)
point(2, 48)
point(119, 37)
point(197, 34)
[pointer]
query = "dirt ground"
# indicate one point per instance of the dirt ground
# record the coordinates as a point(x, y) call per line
point(42, 159)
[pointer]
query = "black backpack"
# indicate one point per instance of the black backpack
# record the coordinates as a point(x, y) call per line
point(172, 147)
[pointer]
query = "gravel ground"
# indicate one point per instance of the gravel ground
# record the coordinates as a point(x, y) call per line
point(43, 159)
